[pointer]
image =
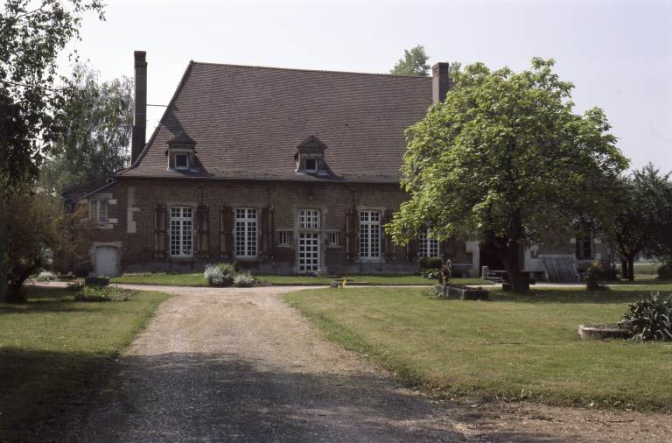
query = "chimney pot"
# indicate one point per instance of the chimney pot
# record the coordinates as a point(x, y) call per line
point(139, 106)
point(440, 82)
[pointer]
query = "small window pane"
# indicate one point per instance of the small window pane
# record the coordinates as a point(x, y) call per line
point(311, 164)
point(333, 239)
point(285, 238)
point(309, 219)
point(181, 161)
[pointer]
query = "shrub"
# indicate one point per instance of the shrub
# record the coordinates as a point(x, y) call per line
point(46, 276)
point(101, 294)
point(665, 272)
point(221, 274)
point(431, 274)
point(650, 318)
point(593, 276)
point(67, 277)
point(244, 280)
point(75, 286)
point(431, 263)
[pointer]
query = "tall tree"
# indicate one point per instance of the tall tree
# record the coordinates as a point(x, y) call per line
point(414, 63)
point(95, 133)
point(505, 160)
point(32, 35)
point(643, 221)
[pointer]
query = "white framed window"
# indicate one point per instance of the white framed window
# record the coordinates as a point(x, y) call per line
point(181, 161)
point(181, 231)
point(332, 238)
point(428, 246)
point(369, 234)
point(309, 219)
point(98, 211)
point(285, 238)
point(311, 165)
point(246, 233)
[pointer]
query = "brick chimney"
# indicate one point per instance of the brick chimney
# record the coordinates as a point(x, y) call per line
point(140, 106)
point(440, 82)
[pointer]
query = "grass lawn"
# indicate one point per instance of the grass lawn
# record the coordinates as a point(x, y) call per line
point(196, 279)
point(52, 349)
point(647, 267)
point(512, 347)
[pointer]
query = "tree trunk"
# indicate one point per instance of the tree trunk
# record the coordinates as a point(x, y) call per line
point(15, 290)
point(511, 261)
point(631, 268)
point(624, 268)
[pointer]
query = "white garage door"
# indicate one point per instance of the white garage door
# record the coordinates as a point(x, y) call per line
point(106, 261)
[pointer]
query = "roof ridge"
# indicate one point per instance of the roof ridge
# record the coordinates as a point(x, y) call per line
point(309, 70)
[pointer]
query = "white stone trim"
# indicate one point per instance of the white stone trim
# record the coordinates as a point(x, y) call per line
point(475, 248)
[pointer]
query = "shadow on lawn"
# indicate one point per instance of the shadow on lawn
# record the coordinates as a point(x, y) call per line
point(211, 397)
point(568, 296)
point(39, 388)
point(41, 299)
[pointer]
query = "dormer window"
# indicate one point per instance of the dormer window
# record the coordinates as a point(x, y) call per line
point(310, 157)
point(181, 161)
point(181, 153)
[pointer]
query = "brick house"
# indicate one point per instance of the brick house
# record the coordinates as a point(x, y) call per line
point(284, 170)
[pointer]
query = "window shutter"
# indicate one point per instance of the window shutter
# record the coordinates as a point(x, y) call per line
point(443, 248)
point(267, 241)
point(226, 232)
point(160, 231)
point(388, 246)
point(351, 247)
point(412, 249)
point(203, 231)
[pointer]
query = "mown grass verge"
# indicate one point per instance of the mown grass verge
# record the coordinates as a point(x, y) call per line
point(513, 347)
point(53, 349)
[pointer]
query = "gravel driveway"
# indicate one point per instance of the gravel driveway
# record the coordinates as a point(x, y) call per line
point(240, 365)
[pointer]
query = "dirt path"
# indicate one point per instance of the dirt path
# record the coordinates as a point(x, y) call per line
point(240, 365)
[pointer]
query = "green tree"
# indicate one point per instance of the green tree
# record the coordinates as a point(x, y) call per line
point(95, 133)
point(643, 220)
point(32, 35)
point(414, 63)
point(505, 160)
point(40, 228)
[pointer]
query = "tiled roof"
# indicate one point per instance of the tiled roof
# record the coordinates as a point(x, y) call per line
point(248, 121)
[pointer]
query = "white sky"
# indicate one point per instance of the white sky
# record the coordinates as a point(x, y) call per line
point(617, 53)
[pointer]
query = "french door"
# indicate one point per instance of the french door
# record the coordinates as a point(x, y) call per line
point(309, 251)
point(309, 240)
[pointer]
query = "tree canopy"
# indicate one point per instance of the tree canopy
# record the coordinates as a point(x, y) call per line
point(32, 35)
point(505, 160)
point(97, 121)
point(414, 63)
point(643, 217)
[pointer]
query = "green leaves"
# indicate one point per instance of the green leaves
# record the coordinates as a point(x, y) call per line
point(504, 154)
point(32, 35)
point(413, 64)
point(96, 124)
